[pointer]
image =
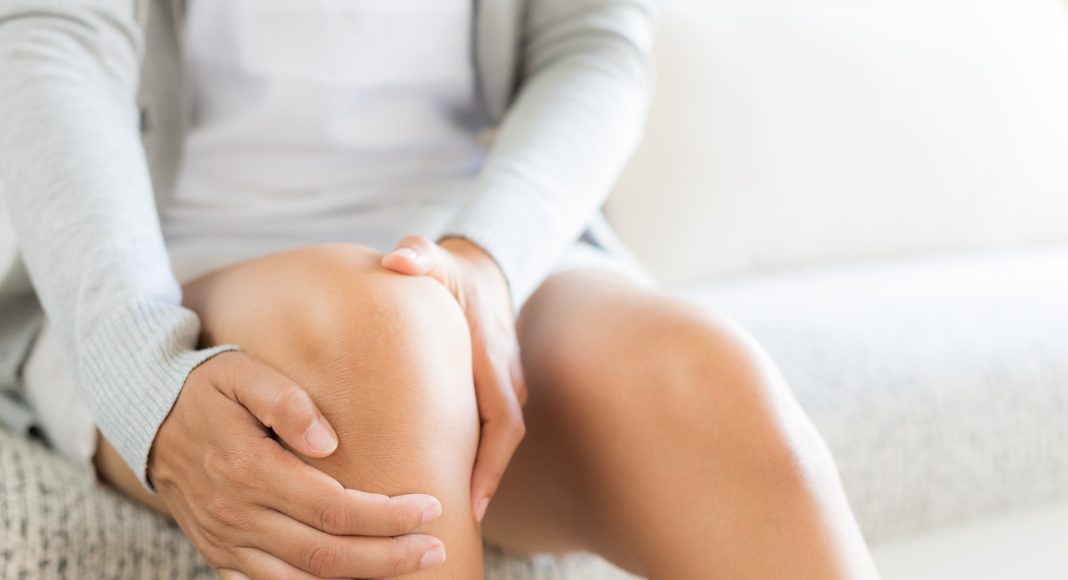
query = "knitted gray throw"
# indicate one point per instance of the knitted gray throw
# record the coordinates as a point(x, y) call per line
point(56, 522)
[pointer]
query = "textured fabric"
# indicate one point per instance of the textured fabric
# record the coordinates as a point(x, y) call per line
point(940, 384)
point(83, 123)
point(61, 414)
point(56, 522)
point(78, 188)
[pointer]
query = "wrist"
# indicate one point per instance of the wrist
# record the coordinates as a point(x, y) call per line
point(474, 256)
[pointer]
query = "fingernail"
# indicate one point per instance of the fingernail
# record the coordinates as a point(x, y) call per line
point(435, 556)
point(320, 438)
point(407, 253)
point(481, 511)
point(431, 512)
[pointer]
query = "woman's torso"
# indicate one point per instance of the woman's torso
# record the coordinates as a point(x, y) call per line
point(325, 120)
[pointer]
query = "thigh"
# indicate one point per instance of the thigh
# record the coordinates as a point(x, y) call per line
point(610, 369)
point(586, 322)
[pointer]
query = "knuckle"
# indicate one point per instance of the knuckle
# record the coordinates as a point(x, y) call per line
point(330, 518)
point(232, 367)
point(263, 453)
point(402, 517)
point(418, 241)
point(215, 466)
point(216, 505)
point(516, 426)
point(320, 559)
point(519, 387)
point(211, 544)
point(400, 557)
point(237, 464)
point(290, 401)
point(273, 573)
point(229, 515)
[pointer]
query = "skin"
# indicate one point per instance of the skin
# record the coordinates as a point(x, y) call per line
point(657, 435)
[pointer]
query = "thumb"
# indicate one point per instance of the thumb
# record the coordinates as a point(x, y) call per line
point(417, 256)
point(279, 403)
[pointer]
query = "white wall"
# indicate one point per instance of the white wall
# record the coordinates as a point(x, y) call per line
point(794, 132)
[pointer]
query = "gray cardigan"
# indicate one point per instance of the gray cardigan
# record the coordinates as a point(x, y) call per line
point(93, 109)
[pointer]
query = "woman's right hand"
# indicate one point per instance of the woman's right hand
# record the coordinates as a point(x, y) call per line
point(253, 508)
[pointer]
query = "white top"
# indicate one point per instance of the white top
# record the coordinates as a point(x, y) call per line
point(317, 120)
point(322, 120)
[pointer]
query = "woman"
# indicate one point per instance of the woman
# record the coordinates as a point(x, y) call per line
point(376, 401)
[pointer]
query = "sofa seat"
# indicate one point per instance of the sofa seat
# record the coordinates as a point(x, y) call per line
point(56, 522)
point(940, 384)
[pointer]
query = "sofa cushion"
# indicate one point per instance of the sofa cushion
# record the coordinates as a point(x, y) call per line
point(57, 522)
point(800, 132)
point(940, 384)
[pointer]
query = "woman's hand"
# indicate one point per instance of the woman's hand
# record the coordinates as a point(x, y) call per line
point(479, 286)
point(252, 507)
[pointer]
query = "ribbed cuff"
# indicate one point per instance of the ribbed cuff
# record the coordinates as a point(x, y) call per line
point(132, 366)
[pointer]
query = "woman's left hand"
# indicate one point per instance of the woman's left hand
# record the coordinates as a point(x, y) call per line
point(478, 285)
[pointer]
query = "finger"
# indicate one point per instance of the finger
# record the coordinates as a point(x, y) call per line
point(519, 380)
point(259, 564)
point(502, 419)
point(502, 426)
point(417, 256)
point(225, 574)
point(326, 555)
point(280, 404)
point(500, 438)
point(312, 497)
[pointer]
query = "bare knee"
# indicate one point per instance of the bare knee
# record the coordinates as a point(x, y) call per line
point(386, 357)
point(722, 371)
point(738, 398)
point(332, 296)
point(674, 377)
point(392, 353)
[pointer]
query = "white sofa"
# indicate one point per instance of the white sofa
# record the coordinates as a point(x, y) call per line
point(878, 190)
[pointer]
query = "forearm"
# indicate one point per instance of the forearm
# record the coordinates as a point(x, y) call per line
point(564, 141)
point(81, 201)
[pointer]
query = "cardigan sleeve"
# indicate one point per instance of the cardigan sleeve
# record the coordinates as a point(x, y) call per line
point(584, 86)
point(79, 194)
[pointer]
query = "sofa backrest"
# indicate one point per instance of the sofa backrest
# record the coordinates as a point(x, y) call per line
point(787, 133)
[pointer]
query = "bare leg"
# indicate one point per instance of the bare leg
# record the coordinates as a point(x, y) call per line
point(385, 357)
point(665, 440)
